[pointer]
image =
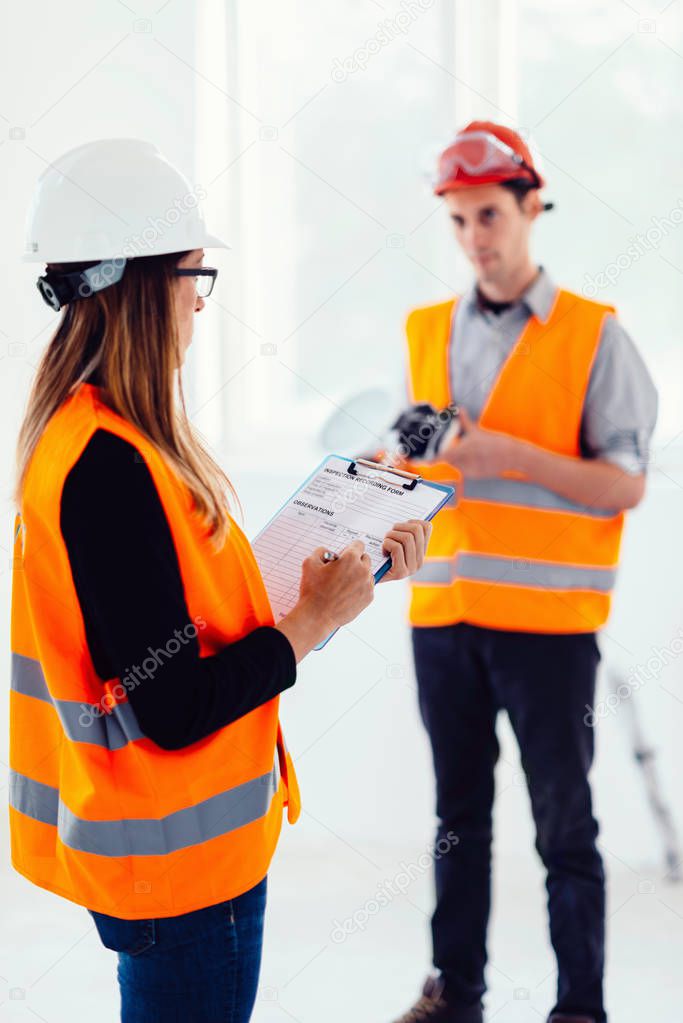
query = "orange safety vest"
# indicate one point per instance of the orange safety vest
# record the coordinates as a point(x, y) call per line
point(507, 553)
point(99, 813)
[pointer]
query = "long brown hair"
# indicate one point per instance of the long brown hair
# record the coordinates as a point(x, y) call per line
point(127, 336)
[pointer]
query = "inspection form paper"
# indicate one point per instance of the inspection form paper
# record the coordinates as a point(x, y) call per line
point(331, 509)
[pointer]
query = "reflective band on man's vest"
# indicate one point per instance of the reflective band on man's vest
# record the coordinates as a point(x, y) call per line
point(98, 812)
point(506, 552)
point(527, 495)
point(519, 492)
point(514, 572)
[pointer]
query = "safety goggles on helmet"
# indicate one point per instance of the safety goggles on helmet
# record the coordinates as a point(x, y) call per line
point(479, 154)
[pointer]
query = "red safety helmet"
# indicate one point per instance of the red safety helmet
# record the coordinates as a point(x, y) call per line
point(485, 153)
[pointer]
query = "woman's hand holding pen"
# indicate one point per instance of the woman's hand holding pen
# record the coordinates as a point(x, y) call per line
point(331, 594)
point(336, 588)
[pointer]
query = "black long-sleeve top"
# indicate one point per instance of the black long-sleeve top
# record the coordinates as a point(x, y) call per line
point(127, 578)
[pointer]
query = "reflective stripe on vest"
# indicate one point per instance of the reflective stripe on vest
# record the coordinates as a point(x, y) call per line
point(82, 722)
point(500, 490)
point(222, 813)
point(514, 572)
point(506, 552)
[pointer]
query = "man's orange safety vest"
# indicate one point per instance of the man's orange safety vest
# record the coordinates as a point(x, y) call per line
point(99, 813)
point(507, 553)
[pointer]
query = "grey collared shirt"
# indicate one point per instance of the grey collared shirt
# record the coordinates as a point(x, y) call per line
point(620, 409)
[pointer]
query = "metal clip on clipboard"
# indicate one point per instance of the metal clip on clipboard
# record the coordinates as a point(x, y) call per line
point(413, 477)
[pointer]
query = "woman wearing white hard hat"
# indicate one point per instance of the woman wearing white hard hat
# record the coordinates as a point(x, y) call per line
point(148, 766)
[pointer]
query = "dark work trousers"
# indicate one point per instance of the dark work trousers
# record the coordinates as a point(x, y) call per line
point(465, 675)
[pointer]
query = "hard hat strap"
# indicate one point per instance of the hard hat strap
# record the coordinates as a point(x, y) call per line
point(59, 288)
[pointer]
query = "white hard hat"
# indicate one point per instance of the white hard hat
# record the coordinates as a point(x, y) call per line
point(110, 199)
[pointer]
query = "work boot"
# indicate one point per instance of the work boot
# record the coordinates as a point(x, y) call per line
point(562, 1017)
point(432, 1007)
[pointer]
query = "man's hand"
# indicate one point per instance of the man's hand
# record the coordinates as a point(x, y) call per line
point(592, 482)
point(480, 453)
point(406, 543)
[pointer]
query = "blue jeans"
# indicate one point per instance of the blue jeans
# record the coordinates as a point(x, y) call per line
point(544, 682)
point(200, 967)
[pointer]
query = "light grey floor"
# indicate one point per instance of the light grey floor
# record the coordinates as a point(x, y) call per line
point(375, 972)
point(53, 968)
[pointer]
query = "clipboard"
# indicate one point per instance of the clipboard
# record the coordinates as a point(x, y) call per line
point(342, 500)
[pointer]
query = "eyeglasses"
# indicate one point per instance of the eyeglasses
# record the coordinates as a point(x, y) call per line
point(205, 277)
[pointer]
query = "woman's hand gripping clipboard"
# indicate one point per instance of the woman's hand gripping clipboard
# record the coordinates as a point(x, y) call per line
point(342, 500)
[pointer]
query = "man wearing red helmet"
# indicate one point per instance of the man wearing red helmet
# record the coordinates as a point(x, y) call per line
point(556, 410)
